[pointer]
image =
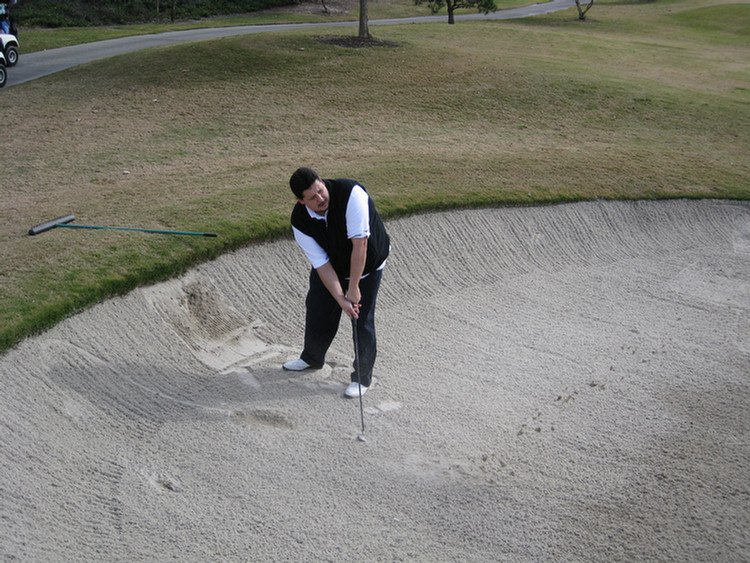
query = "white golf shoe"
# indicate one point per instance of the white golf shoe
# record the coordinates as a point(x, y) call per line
point(296, 365)
point(353, 390)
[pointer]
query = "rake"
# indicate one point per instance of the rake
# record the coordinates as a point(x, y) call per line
point(66, 221)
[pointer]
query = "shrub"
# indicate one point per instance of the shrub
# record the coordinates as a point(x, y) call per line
point(82, 13)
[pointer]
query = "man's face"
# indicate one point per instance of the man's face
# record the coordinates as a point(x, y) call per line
point(316, 197)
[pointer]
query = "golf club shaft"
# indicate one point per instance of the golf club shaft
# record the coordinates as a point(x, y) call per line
point(359, 377)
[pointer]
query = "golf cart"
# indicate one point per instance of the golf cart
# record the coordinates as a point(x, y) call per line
point(3, 71)
point(8, 35)
point(9, 48)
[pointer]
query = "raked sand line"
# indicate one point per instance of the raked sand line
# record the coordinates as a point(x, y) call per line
point(563, 383)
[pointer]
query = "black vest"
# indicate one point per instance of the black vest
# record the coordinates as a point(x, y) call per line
point(331, 235)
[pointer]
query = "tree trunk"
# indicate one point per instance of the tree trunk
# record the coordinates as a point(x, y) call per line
point(582, 11)
point(364, 31)
point(451, 8)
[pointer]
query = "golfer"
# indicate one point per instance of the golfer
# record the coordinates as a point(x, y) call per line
point(336, 225)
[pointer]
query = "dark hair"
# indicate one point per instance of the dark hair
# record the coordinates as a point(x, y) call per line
point(301, 180)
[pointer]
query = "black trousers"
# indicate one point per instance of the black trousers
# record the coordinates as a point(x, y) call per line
point(322, 323)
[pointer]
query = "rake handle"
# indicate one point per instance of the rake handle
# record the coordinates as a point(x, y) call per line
point(65, 219)
point(158, 231)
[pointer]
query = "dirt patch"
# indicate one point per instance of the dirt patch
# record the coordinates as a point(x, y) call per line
point(354, 42)
point(332, 8)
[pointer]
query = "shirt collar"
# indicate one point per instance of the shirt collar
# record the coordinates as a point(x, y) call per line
point(315, 215)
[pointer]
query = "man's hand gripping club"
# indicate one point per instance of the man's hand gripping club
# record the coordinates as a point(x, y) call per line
point(350, 302)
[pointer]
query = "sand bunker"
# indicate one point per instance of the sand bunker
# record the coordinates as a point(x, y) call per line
point(565, 383)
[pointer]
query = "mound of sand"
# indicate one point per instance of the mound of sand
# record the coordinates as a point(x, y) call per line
point(564, 383)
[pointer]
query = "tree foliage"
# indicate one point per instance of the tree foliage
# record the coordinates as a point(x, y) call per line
point(81, 13)
point(485, 6)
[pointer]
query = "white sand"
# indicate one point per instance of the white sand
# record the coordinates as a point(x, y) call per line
point(566, 383)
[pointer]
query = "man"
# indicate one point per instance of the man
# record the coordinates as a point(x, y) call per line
point(336, 225)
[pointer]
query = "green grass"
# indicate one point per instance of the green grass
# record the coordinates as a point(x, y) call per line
point(721, 23)
point(645, 100)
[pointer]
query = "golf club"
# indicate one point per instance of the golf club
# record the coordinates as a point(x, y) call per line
point(361, 437)
point(67, 219)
